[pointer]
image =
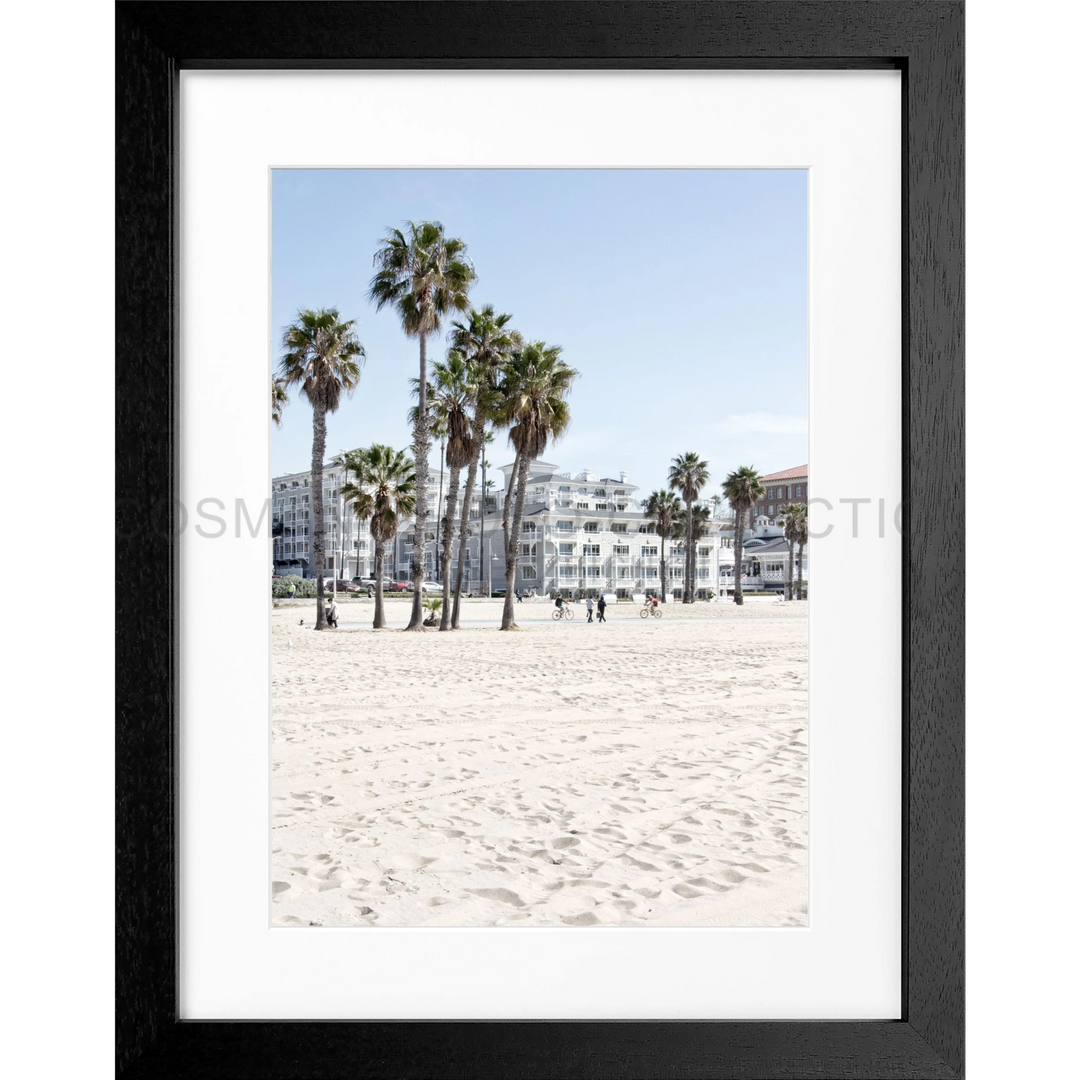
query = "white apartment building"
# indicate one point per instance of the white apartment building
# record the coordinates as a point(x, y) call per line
point(582, 534)
point(349, 547)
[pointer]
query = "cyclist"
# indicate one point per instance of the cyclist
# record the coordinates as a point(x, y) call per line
point(558, 600)
point(654, 602)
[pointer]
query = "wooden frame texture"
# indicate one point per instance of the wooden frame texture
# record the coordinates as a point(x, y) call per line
point(924, 40)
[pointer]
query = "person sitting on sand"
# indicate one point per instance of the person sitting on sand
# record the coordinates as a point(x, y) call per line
point(331, 611)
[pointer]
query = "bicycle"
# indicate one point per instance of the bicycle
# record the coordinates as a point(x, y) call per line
point(562, 613)
point(651, 609)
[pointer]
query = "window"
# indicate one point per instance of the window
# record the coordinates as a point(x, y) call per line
point(621, 549)
point(620, 507)
point(798, 490)
point(677, 552)
point(619, 491)
point(528, 573)
point(650, 529)
point(601, 506)
point(527, 550)
point(703, 573)
point(564, 526)
point(623, 572)
point(676, 573)
point(591, 527)
point(583, 506)
point(590, 549)
point(704, 552)
point(769, 493)
point(592, 571)
point(770, 509)
point(651, 572)
point(567, 572)
point(566, 549)
point(619, 527)
point(564, 489)
point(774, 568)
point(530, 527)
point(600, 493)
point(648, 552)
point(563, 504)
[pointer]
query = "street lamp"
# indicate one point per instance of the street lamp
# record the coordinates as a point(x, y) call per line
point(492, 557)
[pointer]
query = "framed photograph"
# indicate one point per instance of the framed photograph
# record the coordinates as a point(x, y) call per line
point(171, 1016)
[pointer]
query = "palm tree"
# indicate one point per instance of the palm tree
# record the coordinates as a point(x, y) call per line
point(790, 520)
point(742, 488)
point(700, 524)
point(688, 474)
point(278, 400)
point(450, 395)
point(487, 344)
point(384, 492)
point(422, 274)
point(661, 508)
point(533, 406)
point(323, 357)
point(796, 531)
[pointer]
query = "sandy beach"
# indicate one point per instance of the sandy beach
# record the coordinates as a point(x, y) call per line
point(638, 773)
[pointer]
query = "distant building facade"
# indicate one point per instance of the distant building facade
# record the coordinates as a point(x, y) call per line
point(582, 534)
point(781, 488)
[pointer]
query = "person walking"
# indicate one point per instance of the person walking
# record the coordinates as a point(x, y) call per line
point(292, 590)
point(601, 604)
point(331, 611)
point(588, 609)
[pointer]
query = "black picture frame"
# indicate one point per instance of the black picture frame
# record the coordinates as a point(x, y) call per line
point(923, 39)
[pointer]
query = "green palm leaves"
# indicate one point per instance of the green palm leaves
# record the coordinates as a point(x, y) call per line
point(322, 355)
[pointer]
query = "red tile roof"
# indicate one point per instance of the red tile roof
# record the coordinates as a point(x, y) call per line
point(787, 474)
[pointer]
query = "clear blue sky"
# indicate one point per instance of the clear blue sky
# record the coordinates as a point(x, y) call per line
point(679, 295)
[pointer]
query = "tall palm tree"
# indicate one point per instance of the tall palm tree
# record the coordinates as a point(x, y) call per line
point(450, 395)
point(278, 400)
point(423, 274)
point(687, 475)
point(661, 508)
point(384, 492)
point(323, 357)
point(742, 488)
point(796, 530)
point(699, 524)
point(791, 515)
point(534, 408)
point(488, 344)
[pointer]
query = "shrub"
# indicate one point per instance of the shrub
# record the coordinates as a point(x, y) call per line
point(306, 588)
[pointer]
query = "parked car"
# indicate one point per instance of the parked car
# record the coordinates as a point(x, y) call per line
point(431, 586)
point(397, 586)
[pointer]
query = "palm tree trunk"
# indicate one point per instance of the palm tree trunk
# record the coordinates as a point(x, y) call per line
point(740, 517)
point(790, 568)
point(421, 449)
point(800, 588)
point(688, 556)
point(318, 537)
point(380, 617)
point(508, 502)
point(463, 529)
point(483, 514)
point(663, 571)
point(448, 545)
point(512, 548)
point(442, 469)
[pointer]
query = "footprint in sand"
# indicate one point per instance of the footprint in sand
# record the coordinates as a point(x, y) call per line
point(504, 896)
